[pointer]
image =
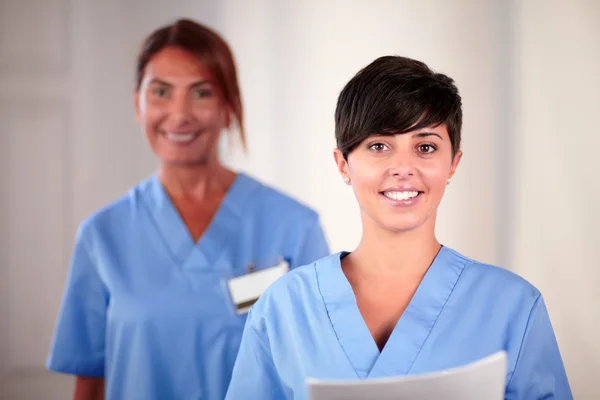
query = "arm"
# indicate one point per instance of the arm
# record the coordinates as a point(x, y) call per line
point(88, 388)
point(539, 373)
point(254, 371)
point(78, 343)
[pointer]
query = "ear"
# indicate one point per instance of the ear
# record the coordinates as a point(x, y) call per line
point(342, 163)
point(136, 104)
point(229, 116)
point(455, 162)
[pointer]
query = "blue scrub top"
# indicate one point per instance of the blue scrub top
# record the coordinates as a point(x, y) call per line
point(147, 308)
point(307, 324)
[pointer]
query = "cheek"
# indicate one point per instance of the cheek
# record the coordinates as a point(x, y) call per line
point(151, 115)
point(436, 177)
point(366, 178)
point(210, 115)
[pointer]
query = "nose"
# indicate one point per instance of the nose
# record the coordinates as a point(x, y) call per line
point(180, 108)
point(403, 165)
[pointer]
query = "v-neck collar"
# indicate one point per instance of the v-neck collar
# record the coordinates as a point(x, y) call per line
point(412, 329)
point(177, 237)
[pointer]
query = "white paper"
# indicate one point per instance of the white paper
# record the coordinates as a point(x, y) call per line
point(483, 379)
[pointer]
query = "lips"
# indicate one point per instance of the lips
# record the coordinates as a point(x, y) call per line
point(403, 195)
point(181, 138)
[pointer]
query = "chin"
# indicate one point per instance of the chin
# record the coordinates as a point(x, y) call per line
point(184, 161)
point(402, 228)
point(400, 225)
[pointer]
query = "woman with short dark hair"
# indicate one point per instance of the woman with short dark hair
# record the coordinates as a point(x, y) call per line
point(400, 303)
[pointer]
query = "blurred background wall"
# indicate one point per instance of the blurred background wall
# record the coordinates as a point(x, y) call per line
point(525, 196)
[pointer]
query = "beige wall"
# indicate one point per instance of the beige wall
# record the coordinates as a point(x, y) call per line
point(524, 196)
point(557, 184)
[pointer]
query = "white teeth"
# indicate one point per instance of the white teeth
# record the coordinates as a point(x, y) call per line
point(180, 138)
point(401, 195)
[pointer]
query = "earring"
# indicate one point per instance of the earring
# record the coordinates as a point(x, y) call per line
point(448, 182)
point(347, 180)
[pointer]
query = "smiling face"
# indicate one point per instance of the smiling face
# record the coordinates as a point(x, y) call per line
point(399, 180)
point(180, 108)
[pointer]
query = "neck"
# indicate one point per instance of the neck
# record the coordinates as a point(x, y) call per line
point(198, 181)
point(385, 254)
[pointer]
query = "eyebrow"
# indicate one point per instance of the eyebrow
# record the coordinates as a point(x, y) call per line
point(425, 134)
point(157, 81)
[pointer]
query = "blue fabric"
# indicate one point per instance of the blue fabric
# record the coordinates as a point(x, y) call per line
point(307, 324)
point(147, 308)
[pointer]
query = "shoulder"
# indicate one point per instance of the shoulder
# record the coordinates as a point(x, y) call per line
point(114, 214)
point(496, 280)
point(266, 197)
point(297, 288)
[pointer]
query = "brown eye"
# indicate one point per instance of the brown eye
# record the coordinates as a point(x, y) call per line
point(426, 148)
point(159, 92)
point(378, 147)
point(201, 93)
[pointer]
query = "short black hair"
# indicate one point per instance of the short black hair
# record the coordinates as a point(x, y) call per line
point(395, 95)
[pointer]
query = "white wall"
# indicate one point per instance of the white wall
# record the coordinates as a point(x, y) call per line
point(527, 74)
point(35, 113)
point(557, 143)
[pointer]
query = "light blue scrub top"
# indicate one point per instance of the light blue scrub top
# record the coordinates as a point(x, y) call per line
point(146, 308)
point(307, 324)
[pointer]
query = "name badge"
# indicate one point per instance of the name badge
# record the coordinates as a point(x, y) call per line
point(246, 289)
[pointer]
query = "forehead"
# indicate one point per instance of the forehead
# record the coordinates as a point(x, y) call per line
point(173, 64)
point(441, 130)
